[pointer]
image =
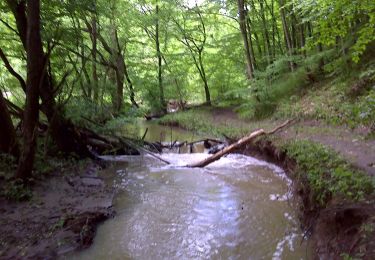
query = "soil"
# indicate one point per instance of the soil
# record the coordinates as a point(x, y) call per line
point(61, 217)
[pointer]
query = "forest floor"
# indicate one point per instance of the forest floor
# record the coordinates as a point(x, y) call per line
point(61, 216)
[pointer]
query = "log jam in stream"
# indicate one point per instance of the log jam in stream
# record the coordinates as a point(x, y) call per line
point(236, 208)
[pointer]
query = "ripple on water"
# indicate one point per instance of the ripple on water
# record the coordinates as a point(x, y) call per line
point(234, 209)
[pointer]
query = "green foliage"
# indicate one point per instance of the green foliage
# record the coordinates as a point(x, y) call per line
point(16, 190)
point(267, 94)
point(327, 173)
point(84, 112)
point(331, 103)
point(8, 165)
point(116, 125)
point(341, 19)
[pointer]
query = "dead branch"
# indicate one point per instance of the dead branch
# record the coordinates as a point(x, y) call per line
point(236, 145)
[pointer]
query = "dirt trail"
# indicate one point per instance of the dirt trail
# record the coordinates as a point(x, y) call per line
point(351, 144)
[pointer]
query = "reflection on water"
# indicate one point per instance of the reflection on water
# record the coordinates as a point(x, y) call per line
point(236, 208)
point(158, 133)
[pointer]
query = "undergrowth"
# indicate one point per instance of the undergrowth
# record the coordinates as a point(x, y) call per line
point(327, 174)
point(329, 93)
point(331, 104)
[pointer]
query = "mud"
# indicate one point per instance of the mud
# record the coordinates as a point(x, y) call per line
point(61, 217)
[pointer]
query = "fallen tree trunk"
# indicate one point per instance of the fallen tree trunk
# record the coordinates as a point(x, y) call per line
point(235, 146)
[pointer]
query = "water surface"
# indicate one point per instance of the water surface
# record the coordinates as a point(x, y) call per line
point(236, 208)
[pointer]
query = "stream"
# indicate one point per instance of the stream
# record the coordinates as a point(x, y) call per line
point(236, 208)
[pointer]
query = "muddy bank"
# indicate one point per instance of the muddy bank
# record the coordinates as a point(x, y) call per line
point(340, 228)
point(61, 217)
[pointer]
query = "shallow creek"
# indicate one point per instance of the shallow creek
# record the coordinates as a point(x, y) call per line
point(236, 208)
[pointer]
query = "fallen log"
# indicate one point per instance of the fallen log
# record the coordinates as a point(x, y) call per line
point(236, 145)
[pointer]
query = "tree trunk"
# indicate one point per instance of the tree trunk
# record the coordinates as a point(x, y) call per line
point(251, 45)
point(63, 132)
point(265, 31)
point(242, 21)
point(18, 9)
point(95, 79)
point(35, 75)
point(160, 71)
point(204, 78)
point(288, 39)
point(130, 85)
point(8, 142)
point(120, 73)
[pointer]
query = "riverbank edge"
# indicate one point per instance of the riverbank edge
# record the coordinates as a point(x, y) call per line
point(335, 229)
point(61, 218)
point(338, 229)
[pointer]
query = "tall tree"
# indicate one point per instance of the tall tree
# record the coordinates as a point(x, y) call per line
point(160, 60)
point(287, 35)
point(245, 37)
point(195, 40)
point(35, 74)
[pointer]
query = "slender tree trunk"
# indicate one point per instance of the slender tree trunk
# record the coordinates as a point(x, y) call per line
point(242, 21)
point(130, 85)
point(274, 26)
point(120, 73)
point(288, 39)
point(118, 62)
point(8, 142)
point(160, 69)
point(35, 74)
point(94, 39)
point(204, 78)
point(266, 34)
point(303, 39)
point(294, 33)
point(18, 9)
point(250, 39)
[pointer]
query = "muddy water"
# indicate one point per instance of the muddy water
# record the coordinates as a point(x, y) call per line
point(237, 208)
point(158, 133)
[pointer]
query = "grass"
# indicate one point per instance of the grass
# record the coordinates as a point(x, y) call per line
point(326, 172)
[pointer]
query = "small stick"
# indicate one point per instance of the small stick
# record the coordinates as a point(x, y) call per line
point(144, 135)
point(153, 155)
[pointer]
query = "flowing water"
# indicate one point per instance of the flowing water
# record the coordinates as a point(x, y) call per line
point(236, 208)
